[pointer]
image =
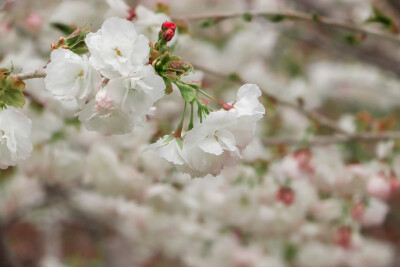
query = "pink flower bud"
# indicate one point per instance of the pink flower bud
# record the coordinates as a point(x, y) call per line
point(167, 35)
point(33, 22)
point(285, 195)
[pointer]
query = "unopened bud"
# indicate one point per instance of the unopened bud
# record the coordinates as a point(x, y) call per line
point(168, 26)
point(285, 195)
point(167, 35)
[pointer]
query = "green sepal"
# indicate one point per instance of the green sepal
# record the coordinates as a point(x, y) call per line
point(180, 143)
point(169, 138)
point(383, 19)
point(168, 87)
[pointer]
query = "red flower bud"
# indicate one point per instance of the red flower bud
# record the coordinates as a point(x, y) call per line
point(131, 14)
point(285, 195)
point(168, 26)
point(167, 35)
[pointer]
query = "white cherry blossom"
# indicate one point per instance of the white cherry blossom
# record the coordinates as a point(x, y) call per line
point(248, 110)
point(70, 76)
point(116, 49)
point(210, 145)
point(100, 115)
point(168, 148)
point(15, 137)
point(137, 93)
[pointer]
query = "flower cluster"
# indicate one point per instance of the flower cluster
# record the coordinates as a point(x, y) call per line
point(219, 139)
point(116, 88)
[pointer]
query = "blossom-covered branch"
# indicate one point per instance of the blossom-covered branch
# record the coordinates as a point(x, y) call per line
point(313, 115)
point(295, 15)
point(329, 140)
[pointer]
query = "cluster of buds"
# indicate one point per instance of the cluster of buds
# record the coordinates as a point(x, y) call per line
point(60, 44)
point(167, 31)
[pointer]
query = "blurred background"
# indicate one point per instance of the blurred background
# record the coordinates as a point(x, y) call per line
point(84, 199)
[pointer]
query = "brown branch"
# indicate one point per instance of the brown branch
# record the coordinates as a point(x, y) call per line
point(373, 53)
point(329, 140)
point(39, 73)
point(297, 15)
point(313, 115)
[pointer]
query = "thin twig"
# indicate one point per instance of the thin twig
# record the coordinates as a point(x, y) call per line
point(313, 115)
point(329, 140)
point(39, 73)
point(296, 15)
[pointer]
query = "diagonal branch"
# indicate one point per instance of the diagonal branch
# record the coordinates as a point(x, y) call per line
point(329, 140)
point(297, 15)
point(313, 115)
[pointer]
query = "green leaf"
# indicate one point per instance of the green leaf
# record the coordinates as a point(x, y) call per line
point(315, 16)
point(247, 17)
point(13, 98)
point(354, 39)
point(234, 77)
point(11, 91)
point(64, 28)
point(210, 22)
point(188, 93)
point(275, 18)
point(290, 252)
point(383, 19)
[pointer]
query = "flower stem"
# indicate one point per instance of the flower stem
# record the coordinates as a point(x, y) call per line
point(223, 104)
point(190, 127)
point(178, 131)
